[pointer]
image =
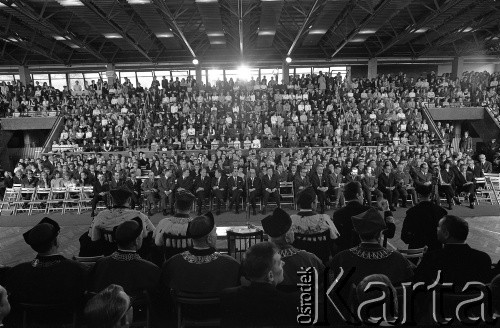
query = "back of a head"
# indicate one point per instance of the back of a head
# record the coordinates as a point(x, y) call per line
point(424, 191)
point(457, 227)
point(108, 308)
point(184, 201)
point(306, 198)
point(352, 190)
point(259, 260)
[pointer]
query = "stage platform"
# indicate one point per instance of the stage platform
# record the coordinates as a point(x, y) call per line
point(484, 224)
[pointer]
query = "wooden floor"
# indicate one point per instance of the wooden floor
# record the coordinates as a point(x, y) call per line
point(484, 226)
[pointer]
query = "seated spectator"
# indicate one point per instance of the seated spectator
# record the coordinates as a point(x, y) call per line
point(278, 227)
point(107, 220)
point(307, 221)
point(50, 278)
point(125, 267)
point(201, 269)
point(260, 303)
point(421, 222)
point(458, 262)
point(110, 308)
point(176, 224)
point(370, 257)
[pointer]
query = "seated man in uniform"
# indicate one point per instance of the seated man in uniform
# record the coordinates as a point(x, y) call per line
point(125, 267)
point(278, 227)
point(176, 224)
point(107, 220)
point(201, 269)
point(50, 278)
point(370, 257)
point(260, 303)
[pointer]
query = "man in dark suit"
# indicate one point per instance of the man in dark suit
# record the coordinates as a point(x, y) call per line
point(260, 304)
point(484, 165)
point(336, 185)
point(446, 185)
point(475, 169)
point(422, 177)
point(387, 185)
point(219, 188)
point(464, 181)
point(202, 187)
point(254, 189)
point(342, 218)
point(30, 181)
point(101, 191)
point(458, 262)
point(166, 186)
point(319, 181)
point(270, 188)
point(157, 169)
point(117, 182)
point(134, 185)
point(301, 181)
point(421, 221)
point(185, 181)
point(235, 187)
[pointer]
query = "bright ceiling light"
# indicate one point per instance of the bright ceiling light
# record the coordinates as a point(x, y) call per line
point(165, 35)
point(367, 31)
point(421, 30)
point(74, 46)
point(467, 29)
point(267, 32)
point(215, 34)
point(138, 2)
point(317, 31)
point(205, 1)
point(112, 36)
point(59, 38)
point(288, 59)
point(196, 61)
point(218, 42)
point(358, 40)
point(70, 3)
point(11, 39)
point(244, 73)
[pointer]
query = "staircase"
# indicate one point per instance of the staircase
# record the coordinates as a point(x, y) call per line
point(489, 127)
point(432, 125)
point(54, 134)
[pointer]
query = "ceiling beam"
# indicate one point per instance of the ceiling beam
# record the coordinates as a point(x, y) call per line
point(317, 4)
point(240, 25)
point(161, 7)
point(92, 7)
point(485, 20)
point(380, 7)
point(27, 11)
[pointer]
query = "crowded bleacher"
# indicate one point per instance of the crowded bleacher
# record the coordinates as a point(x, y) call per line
point(322, 143)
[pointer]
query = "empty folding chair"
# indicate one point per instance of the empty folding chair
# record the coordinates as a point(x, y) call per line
point(85, 202)
point(72, 200)
point(9, 198)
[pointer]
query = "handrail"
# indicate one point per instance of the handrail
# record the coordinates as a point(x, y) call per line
point(55, 130)
point(487, 109)
point(425, 111)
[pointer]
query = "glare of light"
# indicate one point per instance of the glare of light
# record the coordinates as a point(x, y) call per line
point(358, 40)
point(317, 31)
point(467, 29)
point(367, 31)
point(70, 3)
point(421, 30)
point(165, 35)
point(11, 39)
point(288, 60)
point(112, 36)
point(267, 32)
point(196, 61)
point(214, 34)
point(59, 38)
point(138, 2)
point(244, 73)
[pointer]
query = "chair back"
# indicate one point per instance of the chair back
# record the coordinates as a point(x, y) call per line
point(200, 310)
point(287, 193)
point(239, 242)
point(415, 254)
point(318, 243)
point(175, 244)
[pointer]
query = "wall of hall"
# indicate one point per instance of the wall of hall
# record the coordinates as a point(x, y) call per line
point(411, 70)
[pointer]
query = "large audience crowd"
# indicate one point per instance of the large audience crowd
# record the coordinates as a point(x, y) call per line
point(406, 166)
point(312, 110)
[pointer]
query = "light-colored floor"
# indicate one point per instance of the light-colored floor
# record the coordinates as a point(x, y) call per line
point(484, 226)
